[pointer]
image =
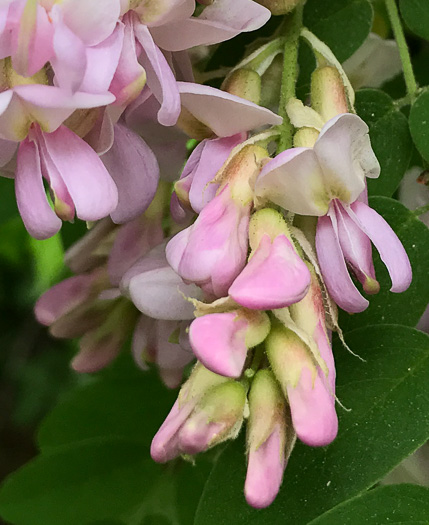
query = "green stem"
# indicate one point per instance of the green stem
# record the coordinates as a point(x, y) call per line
point(410, 80)
point(420, 211)
point(256, 361)
point(290, 74)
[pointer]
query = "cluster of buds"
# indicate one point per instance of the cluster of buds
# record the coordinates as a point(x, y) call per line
point(242, 268)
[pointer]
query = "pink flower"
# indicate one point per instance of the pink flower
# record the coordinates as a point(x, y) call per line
point(327, 181)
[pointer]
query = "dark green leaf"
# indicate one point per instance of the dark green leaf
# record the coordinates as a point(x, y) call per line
point(419, 124)
point(416, 15)
point(131, 407)
point(386, 307)
point(342, 24)
point(90, 481)
point(393, 504)
point(388, 419)
point(390, 139)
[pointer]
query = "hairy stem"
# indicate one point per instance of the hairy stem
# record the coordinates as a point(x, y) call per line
point(410, 80)
point(290, 73)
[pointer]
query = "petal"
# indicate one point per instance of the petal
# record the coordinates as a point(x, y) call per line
point(90, 186)
point(102, 62)
point(96, 352)
point(38, 217)
point(218, 341)
point(265, 469)
point(213, 155)
point(50, 105)
point(134, 168)
point(14, 122)
point(356, 247)
point(130, 77)
point(334, 269)
point(63, 297)
point(34, 40)
point(141, 338)
point(294, 181)
point(344, 151)
point(91, 20)
point(389, 247)
point(220, 21)
point(274, 277)
point(159, 12)
point(160, 78)
point(133, 240)
point(313, 410)
point(7, 151)
point(223, 113)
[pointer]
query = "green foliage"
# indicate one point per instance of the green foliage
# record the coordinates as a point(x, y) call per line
point(388, 307)
point(390, 139)
point(385, 396)
point(419, 119)
point(416, 16)
point(393, 504)
point(342, 24)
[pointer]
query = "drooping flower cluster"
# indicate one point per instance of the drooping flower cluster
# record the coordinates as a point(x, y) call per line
point(240, 260)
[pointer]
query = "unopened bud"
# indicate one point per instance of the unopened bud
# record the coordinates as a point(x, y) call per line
point(244, 83)
point(328, 95)
point(279, 7)
point(266, 222)
point(217, 417)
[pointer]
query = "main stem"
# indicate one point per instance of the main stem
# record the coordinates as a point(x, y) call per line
point(410, 80)
point(289, 76)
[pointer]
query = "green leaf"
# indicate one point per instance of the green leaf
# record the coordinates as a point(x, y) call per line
point(388, 419)
point(419, 119)
point(393, 504)
point(342, 24)
point(416, 16)
point(131, 408)
point(390, 139)
point(386, 307)
point(99, 479)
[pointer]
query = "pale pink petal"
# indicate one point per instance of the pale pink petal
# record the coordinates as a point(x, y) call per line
point(33, 44)
point(50, 105)
point(63, 297)
point(90, 186)
point(91, 20)
point(102, 62)
point(14, 124)
point(165, 443)
point(390, 248)
point(129, 77)
point(294, 181)
point(142, 336)
point(69, 61)
point(356, 247)
point(220, 21)
point(96, 352)
point(159, 12)
point(223, 113)
point(344, 152)
point(38, 217)
point(334, 269)
point(133, 240)
point(160, 78)
point(134, 168)
point(218, 341)
point(7, 151)
point(265, 470)
point(275, 277)
point(312, 407)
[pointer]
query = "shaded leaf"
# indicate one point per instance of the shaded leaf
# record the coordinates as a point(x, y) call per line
point(416, 16)
point(419, 124)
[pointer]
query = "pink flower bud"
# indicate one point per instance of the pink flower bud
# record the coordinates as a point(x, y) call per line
point(221, 340)
point(311, 400)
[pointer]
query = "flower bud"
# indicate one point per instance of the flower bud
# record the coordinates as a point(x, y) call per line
point(279, 7)
point(221, 340)
point(270, 438)
point(311, 400)
point(244, 83)
point(275, 275)
point(217, 417)
point(328, 95)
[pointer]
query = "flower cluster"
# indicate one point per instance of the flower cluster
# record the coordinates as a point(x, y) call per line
point(241, 261)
